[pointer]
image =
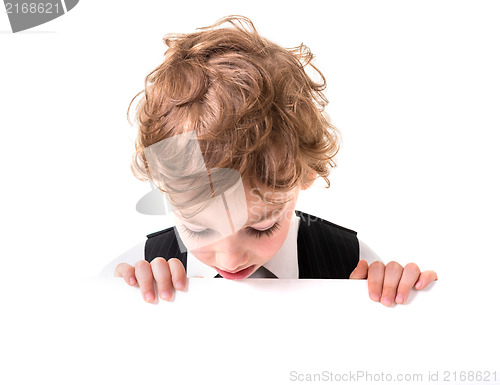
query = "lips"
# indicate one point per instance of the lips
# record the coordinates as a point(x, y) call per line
point(240, 274)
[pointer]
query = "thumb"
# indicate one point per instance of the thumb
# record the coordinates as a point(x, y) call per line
point(361, 271)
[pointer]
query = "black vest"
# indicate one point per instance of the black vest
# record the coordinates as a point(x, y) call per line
point(324, 249)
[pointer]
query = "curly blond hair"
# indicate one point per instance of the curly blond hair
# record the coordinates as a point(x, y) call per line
point(250, 101)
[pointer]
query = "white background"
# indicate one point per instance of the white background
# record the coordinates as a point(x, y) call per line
point(413, 88)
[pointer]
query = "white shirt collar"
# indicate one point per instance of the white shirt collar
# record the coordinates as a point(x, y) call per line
point(284, 264)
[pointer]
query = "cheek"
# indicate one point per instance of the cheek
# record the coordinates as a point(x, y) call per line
point(266, 247)
point(203, 254)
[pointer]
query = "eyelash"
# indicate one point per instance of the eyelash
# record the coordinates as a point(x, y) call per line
point(250, 231)
point(259, 233)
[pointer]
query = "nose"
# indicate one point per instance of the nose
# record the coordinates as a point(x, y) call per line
point(230, 256)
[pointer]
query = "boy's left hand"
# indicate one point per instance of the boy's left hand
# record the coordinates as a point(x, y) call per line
point(392, 282)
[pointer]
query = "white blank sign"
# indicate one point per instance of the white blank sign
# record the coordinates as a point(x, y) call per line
point(251, 331)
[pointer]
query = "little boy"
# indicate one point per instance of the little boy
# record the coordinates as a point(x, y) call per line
point(231, 128)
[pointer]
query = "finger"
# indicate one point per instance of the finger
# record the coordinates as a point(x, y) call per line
point(393, 272)
point(361, 271)
point(178, 273)
point(127, 272)
point(376, 280)
point(163, 277)
point(425, 278)
point(410, 275)
point(144, 277)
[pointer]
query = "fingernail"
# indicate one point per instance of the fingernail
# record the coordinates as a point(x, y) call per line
point(166, 294)
point(131, 281)
point(386, 301)
point(178, 285)
point(418, 285)
point(150, 297)
point(375, 297)
point(399, 298)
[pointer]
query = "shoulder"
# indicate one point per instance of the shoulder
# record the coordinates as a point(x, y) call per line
point(325, 249)
point(165, 243)
point(311, 220)
point(317, 225)
point(164, 232)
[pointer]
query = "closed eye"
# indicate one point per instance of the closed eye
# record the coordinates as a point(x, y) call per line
point(259, 233)
point(198, 234)
point(249, 230)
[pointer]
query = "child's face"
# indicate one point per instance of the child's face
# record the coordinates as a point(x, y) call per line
point(239, 254)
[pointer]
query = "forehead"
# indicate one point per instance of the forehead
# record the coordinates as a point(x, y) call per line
point(246, 209)
point(271, 202)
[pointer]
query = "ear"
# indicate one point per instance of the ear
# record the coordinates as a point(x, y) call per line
point(311, 177)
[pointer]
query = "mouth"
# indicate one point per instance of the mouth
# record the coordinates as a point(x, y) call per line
point(239, 274)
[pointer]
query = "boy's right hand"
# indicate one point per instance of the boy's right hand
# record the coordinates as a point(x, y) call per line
point(169, 275)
